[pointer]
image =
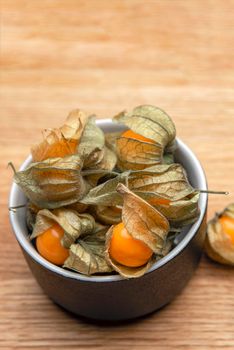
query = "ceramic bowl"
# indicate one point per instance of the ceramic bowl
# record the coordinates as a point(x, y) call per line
point(112, 297)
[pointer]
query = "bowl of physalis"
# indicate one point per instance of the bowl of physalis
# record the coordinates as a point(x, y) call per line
point(111, 214)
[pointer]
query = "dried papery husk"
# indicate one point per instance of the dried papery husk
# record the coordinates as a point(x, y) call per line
point(79, 207)
point(31, 214)
point(219, 246)
point(91, 145)
point(166, 248)
point(105, 194)
point(150, 122)
point(108, 215)
point(229, 211)
point(166, 187)
point(79, 134)
point(88, 227)
point(73, 224)
point(53, 183)
point(168, 158)
point(169, 181)
point(181, 212)
point(110, 139)
point(144, 223)
point(87, 256)
point(63, 141)
point(136, 154)
point(108, 161)
point(105, 166)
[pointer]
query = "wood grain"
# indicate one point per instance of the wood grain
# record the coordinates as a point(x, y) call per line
point(104, 56)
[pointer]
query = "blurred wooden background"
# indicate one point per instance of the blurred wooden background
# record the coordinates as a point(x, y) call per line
point(104, 56)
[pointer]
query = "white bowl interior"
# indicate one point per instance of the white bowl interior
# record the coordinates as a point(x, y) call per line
point(183, 155)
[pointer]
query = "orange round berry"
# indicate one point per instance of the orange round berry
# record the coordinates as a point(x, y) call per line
point(227, 224)
point(133, 135)
point(49, 245)
point(127, 250)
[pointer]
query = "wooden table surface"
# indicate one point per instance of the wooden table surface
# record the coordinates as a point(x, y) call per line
point(104, 56)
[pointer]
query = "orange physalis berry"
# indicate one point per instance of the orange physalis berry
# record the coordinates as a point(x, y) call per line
point(127, 250)
point(49, 245)
point(227, 224)
point(58, 148)
point(133, 135)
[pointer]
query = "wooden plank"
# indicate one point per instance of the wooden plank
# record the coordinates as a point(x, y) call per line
point(105, 56)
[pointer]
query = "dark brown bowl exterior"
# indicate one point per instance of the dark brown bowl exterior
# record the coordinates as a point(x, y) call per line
point(112, 297)
point(124, 299)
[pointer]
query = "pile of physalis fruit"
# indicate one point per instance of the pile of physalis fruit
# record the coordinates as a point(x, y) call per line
point(107, 203)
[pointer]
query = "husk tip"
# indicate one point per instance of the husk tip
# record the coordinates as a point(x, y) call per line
point(122, 189)
point(11, 165)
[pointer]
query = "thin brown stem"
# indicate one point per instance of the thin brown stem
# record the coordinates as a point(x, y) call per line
point(213, 192)
point(10, 164)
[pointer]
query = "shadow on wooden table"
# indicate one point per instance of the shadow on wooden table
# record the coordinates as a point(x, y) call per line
point(110, 323)
point(103, 323)
point(212, 269)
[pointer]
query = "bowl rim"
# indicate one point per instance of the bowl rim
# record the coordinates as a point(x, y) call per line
point(27, 246)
